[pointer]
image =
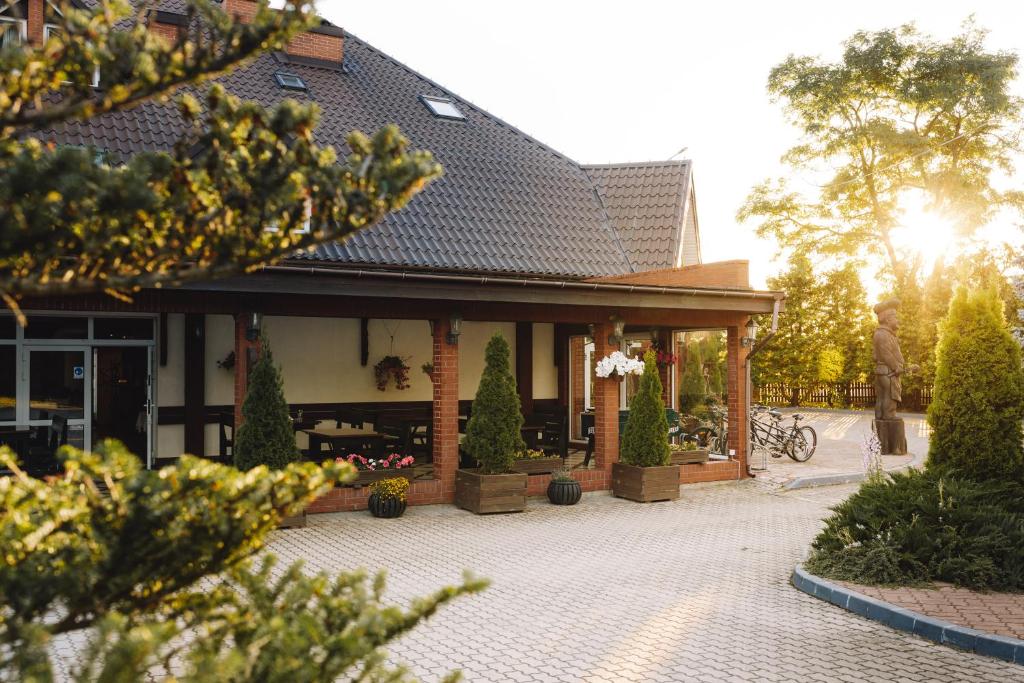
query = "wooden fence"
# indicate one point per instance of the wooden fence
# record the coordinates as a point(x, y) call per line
point(836, 395)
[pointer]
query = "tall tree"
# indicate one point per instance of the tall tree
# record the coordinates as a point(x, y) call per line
point(187, 213)
point(900, 112)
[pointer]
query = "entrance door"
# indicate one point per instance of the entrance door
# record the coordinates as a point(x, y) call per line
point(57, 378)
point(121, 399)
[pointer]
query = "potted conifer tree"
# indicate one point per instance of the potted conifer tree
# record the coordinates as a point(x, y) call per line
point(644, 473)
point(494, 439)
point(266, 436)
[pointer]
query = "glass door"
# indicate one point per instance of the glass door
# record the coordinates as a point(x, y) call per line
point(122, 406)
point(55, 379)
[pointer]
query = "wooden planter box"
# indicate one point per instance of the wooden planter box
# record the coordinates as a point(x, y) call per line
point(487, 493)
point(294, 522)
point(645, 484)
point(689, 457)
point(537, 465)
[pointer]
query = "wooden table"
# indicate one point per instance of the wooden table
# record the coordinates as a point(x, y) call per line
point(344, 440)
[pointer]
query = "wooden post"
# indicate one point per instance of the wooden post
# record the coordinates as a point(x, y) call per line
point(246, 353)
point(524, 365)
point(195, 384)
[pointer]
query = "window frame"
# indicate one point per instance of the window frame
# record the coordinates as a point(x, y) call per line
point(279, 76)
point(22, 25)
point(430, 100)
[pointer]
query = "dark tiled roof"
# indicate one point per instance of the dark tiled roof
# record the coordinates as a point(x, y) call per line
point(646, 203)
point(506, 203)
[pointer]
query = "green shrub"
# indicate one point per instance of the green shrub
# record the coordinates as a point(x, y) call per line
point(692, 389)
point(266, 436)
point(494, 432)
point(978, 404)
point(918, 527)
point(645, 436)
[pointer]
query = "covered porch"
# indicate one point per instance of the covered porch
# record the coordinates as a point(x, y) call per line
point(328, 327)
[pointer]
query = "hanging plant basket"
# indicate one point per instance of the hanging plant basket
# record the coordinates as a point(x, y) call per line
point(391, 369)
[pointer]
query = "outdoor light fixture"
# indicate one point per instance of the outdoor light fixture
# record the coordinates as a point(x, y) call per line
point(454, 328)
point(618, 330)
point(751, 334)
point(252, 326)
point(431, 323)
point(591, 329)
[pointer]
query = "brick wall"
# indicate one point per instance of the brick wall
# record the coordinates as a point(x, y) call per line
point(738, 401)
point(167, 32)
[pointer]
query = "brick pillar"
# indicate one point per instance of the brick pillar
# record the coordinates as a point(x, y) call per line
point(445, 410)
point(606, 404)
point(245, 352)
point(738, 401)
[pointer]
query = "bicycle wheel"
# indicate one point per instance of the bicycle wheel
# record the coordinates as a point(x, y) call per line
point(706, 438)
point(802, 444)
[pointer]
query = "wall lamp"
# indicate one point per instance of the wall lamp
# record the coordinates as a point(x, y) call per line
point(751, 337)
point(253, 325)
point(454, 329)
point(618, 330)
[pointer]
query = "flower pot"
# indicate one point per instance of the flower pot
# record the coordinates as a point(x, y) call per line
point(385, 507)
point(645, 484)
point(536, 465)
point(689, 457)
point(487, 493)
point(565, 492)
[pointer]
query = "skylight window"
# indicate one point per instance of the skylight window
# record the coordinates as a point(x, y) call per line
point(442, 107)
point(290, 81)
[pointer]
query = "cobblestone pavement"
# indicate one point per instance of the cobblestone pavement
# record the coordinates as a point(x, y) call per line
point(999, 613)
point(610, 590)
point(839, 440)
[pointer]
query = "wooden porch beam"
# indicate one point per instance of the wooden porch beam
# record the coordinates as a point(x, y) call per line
point(524, 365)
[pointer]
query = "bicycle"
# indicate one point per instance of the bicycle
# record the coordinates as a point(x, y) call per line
point(767, 433)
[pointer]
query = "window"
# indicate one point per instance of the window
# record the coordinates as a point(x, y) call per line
point(306, 223)
point(289, 81)
point(13, 24)
point(55, 31)
point(442, 107)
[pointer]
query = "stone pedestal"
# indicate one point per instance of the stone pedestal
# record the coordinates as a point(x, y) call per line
point(891, 435)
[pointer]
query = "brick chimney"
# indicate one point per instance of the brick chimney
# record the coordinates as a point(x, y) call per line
point(325, 41)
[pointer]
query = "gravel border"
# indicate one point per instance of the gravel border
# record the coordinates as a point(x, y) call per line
point(937, 630)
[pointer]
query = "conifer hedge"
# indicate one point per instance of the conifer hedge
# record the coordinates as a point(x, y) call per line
point(692, 391)
point(266, 436)
point(978, 403)
point(645, 436)
point(494, 432)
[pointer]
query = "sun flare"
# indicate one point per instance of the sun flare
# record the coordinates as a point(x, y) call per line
point(926, 234)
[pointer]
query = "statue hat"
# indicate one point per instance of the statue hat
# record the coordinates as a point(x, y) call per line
point(886, 305)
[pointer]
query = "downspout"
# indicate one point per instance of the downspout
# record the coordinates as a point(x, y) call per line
point(761, 343)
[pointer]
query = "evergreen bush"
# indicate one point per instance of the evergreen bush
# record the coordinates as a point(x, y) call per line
point(494, 432)
point(692, 389)
point(266, 436)
point(645, 436)
point(916, 527)
point(978, 404)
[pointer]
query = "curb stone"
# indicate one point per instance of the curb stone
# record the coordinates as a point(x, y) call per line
point(844, 478)
point(936, 630)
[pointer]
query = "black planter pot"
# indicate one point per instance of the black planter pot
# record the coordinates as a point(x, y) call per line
point(564, 492)
point(385, 507)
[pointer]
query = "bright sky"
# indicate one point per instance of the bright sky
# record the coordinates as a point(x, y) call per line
point(638, 81)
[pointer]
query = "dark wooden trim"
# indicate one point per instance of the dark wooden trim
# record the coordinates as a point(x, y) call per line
point(175, 415)
point(364, 341)
point(163, 340)
point(195, 384)
point(524, 365)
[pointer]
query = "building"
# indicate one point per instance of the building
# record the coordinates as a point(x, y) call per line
point(568, 261)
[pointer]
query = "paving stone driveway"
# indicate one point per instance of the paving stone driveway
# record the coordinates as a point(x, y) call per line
point(610, 590)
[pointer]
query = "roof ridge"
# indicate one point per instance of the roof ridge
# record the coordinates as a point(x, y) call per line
point(640, 164)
